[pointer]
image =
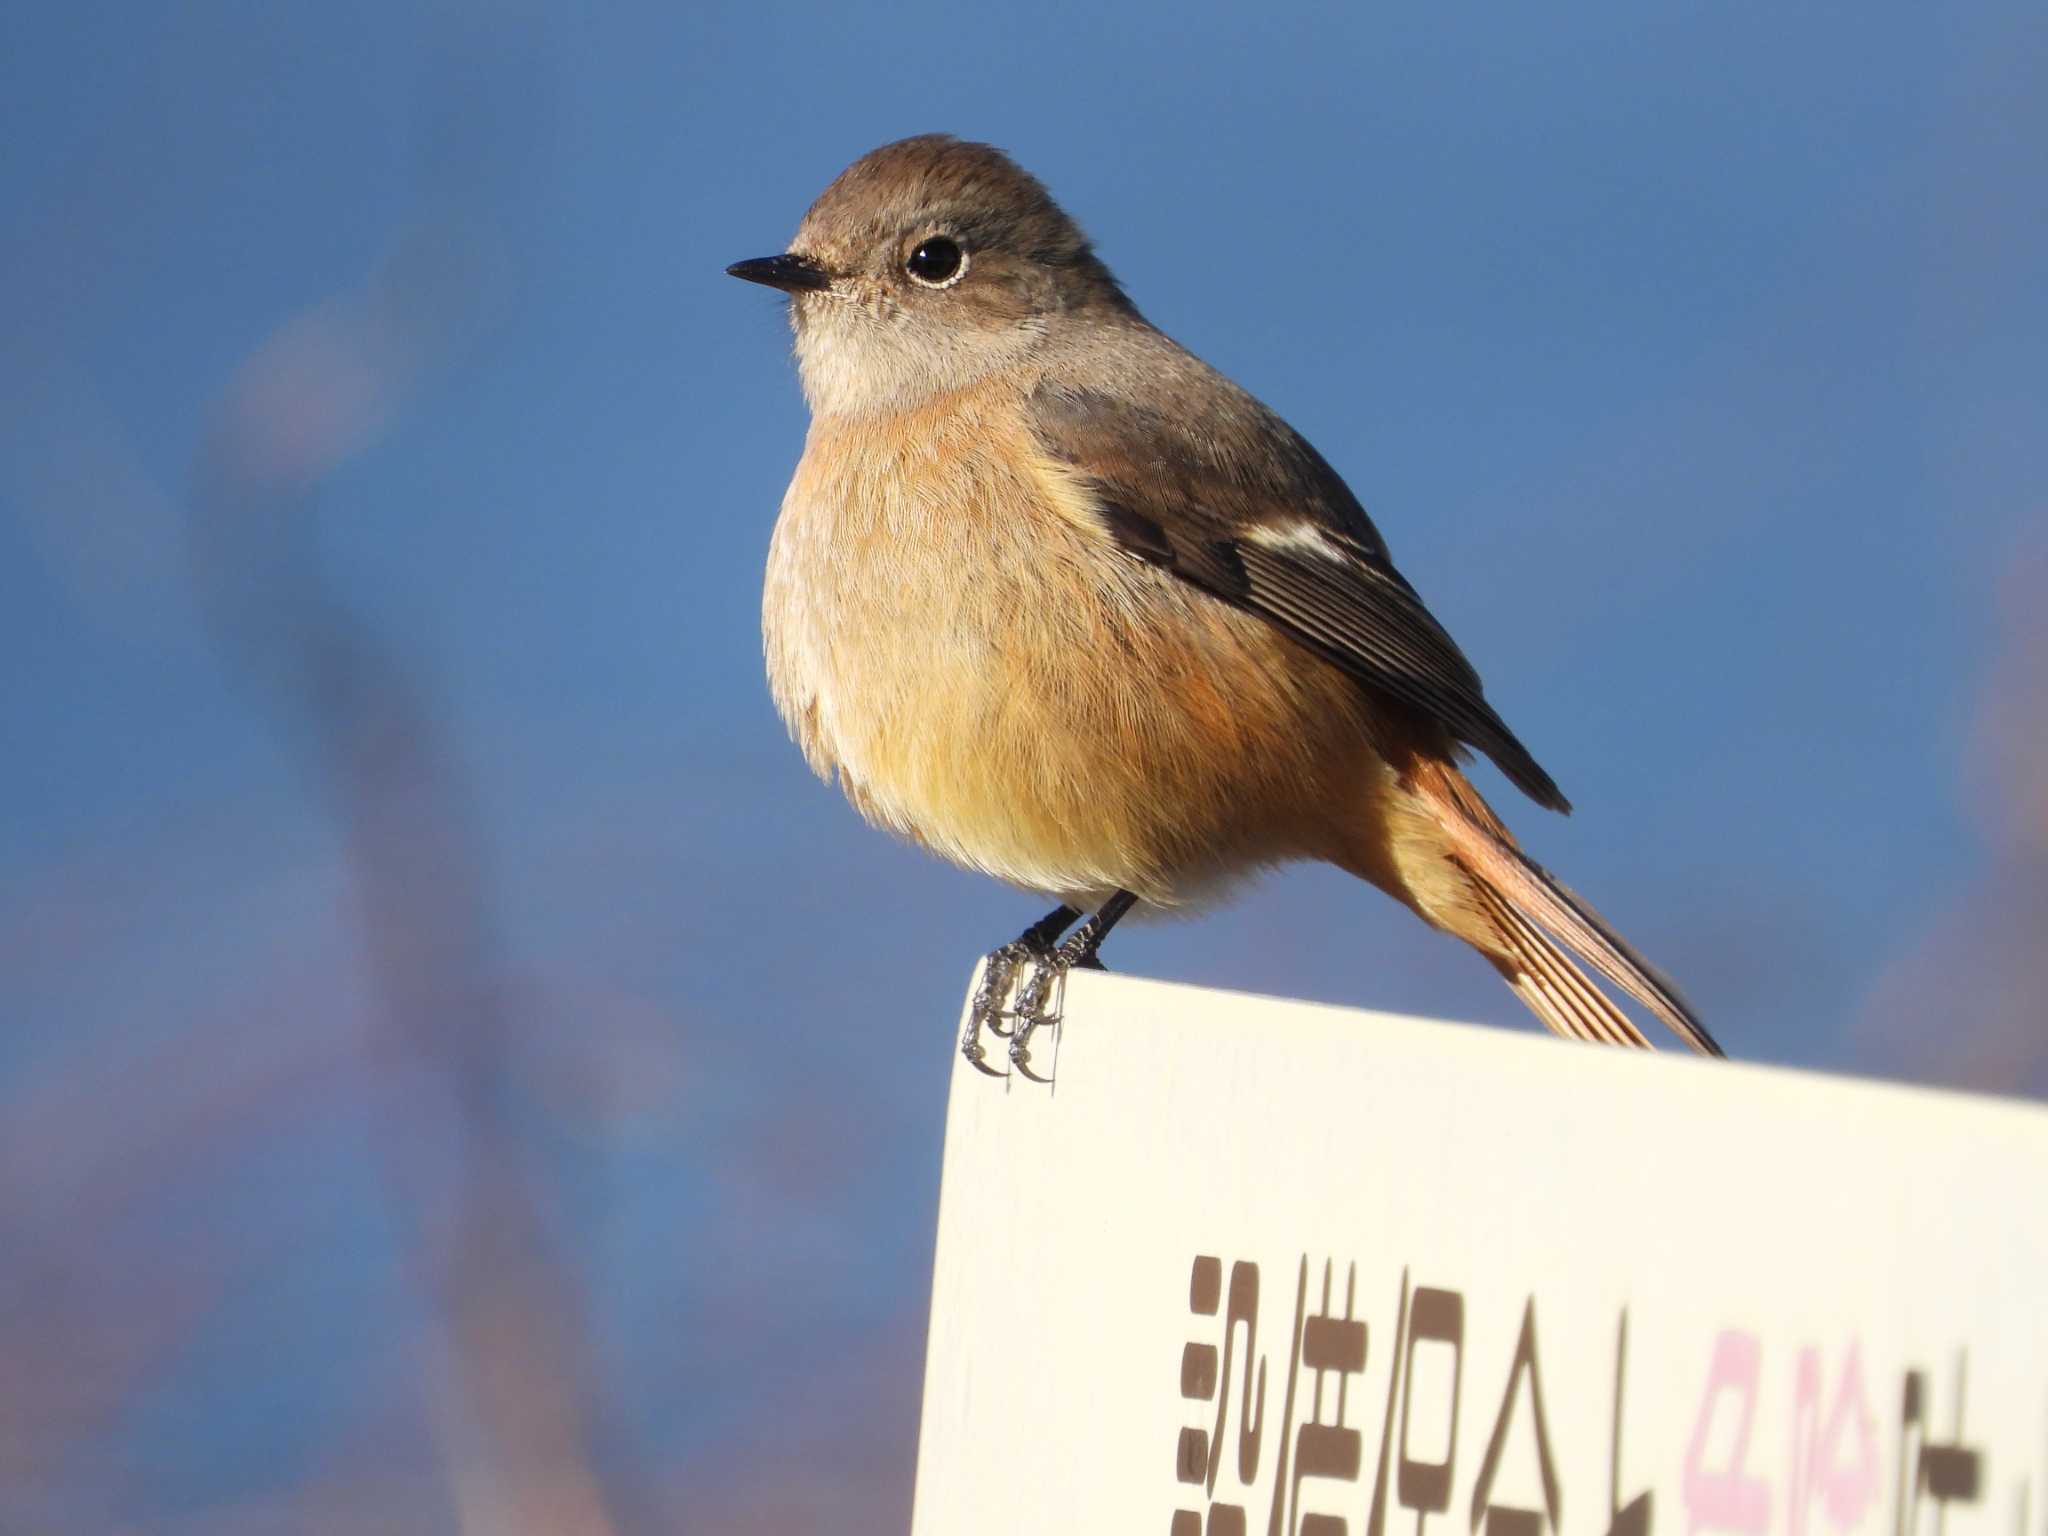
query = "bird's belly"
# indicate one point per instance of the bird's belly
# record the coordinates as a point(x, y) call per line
point(997, 681)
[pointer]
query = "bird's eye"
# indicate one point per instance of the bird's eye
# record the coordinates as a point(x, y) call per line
point(937, 262)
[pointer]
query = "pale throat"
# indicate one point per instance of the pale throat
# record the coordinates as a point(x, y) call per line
point(854, 363)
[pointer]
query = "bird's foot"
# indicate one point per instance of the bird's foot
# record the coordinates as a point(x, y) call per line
point(1038, 1003)
point(1041, 999)
point(987, 1012)
point(1026, 956)
point(1079, 951)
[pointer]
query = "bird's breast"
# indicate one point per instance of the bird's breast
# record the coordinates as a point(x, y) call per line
point(951, 631)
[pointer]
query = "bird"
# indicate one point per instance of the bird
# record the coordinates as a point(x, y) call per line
point(1054, 599)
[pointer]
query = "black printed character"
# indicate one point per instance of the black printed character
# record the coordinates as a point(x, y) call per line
point(1434, 1317)
point(1632, 1518)
point(1504, 1520)
point(1332, 1347)
point(1205, 1376)
point(1945, 1474)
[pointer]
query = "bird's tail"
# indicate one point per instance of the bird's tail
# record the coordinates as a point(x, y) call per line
point(1535, 917)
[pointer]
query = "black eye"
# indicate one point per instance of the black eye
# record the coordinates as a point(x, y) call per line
point(936, 262)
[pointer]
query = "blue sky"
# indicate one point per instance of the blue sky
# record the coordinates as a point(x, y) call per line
point(1688, 356)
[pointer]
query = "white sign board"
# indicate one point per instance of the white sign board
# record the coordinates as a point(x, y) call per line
point(1257, 1266)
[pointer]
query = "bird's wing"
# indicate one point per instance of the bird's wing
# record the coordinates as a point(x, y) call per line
point(1245, 509)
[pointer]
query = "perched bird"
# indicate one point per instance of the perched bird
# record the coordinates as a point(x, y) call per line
point(1058, 601)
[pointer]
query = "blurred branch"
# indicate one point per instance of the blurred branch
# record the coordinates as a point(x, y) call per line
point(514, 1379)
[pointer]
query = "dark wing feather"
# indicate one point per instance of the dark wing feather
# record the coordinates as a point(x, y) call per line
point(1216, 503)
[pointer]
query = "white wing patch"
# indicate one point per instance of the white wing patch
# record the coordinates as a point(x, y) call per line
point(1296, 538)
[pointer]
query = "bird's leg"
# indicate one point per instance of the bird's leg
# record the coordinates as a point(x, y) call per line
point(1031, 947)
point(1081, 945)
point(1078, 950)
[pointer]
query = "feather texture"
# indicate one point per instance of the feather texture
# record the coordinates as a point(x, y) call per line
point(1238, 504)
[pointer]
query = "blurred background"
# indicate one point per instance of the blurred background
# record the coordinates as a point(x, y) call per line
point(461, 1074)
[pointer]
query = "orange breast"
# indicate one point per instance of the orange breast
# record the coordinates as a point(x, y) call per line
point(951, 630)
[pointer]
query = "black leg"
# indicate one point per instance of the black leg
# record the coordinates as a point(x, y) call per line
point(1081, 945)
point(1045, 933)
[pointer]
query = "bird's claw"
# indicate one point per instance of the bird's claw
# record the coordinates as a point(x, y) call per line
point(1031, 1010)
point(1041, 968)
point(998, 971)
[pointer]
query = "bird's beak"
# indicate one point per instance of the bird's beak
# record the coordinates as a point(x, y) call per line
point(789, 273)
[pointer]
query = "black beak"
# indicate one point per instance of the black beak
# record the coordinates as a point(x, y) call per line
point(789, 273)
